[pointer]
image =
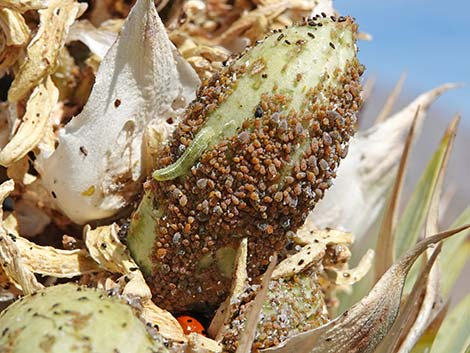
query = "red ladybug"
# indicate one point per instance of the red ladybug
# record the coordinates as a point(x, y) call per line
point(190, 324)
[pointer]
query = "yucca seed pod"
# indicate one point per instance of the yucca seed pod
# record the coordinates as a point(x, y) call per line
point(70, 318)
point(292, 305)
point(253, 154)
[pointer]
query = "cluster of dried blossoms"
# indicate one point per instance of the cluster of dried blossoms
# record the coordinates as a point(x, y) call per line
point(57, 61)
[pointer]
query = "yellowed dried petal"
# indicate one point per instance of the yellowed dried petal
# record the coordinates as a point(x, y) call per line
point(24, 5)
point(307, 234)
point(43, 50)
point(47, 260)
point(251, 19)
point(199, 344)
point(167, 324)
point(207, 52)
point(306, 257)
point(106, 249)
point(10, 255)
point(14, 27)
point(33, 127)
point(353, 275)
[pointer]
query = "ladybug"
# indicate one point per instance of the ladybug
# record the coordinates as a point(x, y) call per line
point(190, 324)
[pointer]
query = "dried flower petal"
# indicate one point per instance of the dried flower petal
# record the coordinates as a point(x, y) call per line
point(49, 261)
point(97, 167)
point(34, 123)
point(43, 50)
point(25, 5)
point(199, 344)
point(10, 258)
point(96, 39)
point(167, 325)
point(106, 249)
point(350, 276)
point(14, 28)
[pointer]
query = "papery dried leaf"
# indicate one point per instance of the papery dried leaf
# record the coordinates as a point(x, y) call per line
point(14, 27)
point(431, 301)
point(364, 36)
point(354, 201)
point(10, 257)
point(25, 5)
point(96, 170)
point(362, 328)
point(387, 108)
point(314, 243)
point(96, 39)
point(453, 335)
point(386, 239)
point(34, 123)
point(413, 217)
point(43, 50)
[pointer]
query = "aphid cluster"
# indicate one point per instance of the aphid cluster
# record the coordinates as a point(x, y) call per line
point(262, 168)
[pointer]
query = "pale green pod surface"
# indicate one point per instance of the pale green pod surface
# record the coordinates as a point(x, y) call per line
point(293, 305)
point(252, 156)
point(70, 318)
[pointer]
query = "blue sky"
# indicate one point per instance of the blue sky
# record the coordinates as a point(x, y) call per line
point(427, 39)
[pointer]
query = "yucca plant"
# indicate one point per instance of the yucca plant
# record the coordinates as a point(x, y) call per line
point(207, 152)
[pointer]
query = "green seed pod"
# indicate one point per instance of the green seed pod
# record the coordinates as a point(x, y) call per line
point(293, 305)
point(254, 153)
point(69, 318)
